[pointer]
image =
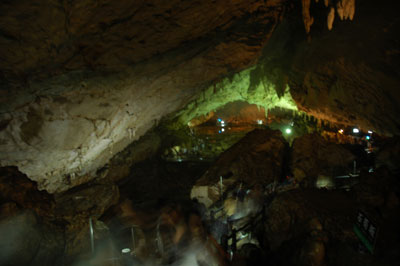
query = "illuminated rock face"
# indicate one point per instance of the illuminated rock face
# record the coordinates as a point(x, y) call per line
point(81, 80)
point(348, 76)
point(239, 87)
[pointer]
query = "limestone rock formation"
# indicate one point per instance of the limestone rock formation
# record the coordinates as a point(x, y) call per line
point(313, 156)
point(25, 240)
point(54, 222)
point(301, 226)
point(338, 75)
point(307, 18)
point(256, 160)
point(80, 81)
point(77, 91)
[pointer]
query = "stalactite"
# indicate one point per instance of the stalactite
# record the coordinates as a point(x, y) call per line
point(346, 9)
point(131, 133)
point(331, 18)
point(307, 19)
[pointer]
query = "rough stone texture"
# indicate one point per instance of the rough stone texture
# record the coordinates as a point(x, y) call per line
point(312, 155)
point(81, 79)
point(59, 222)
point(348, 75)
point(20, 239)
point(16, 188)
point(145, 148)
point(26, 241)
point(301, 225)
point(257, 159)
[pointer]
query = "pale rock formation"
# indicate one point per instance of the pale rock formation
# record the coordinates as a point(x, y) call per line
point(331, 18)
point(346, 9)
point(307, 18)
point(77, 92)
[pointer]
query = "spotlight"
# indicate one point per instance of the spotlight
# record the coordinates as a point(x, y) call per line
point(219, 119)
point(341, 131)
point(356, 130)
point(369, 131)
point(260, 122)
point(223, 129)
point(288, 131)
point(125, 250)
point(367, 137)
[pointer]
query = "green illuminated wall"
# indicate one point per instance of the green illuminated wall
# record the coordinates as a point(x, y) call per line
point(245, 86)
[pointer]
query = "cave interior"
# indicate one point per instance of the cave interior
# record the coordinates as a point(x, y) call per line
point(203, 132)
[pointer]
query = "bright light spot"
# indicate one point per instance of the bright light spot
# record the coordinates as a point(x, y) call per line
point(370, 131)
point(356, 130)
point(219, 131)
point(260, 122)
point(341, 131)
point(367, 137)
point(324, 182)
point(219, 119)
point(222, 123)
point(126, 250)
point(288, 131)
point(223, 129)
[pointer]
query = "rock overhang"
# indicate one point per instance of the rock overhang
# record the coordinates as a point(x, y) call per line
point(98, 83)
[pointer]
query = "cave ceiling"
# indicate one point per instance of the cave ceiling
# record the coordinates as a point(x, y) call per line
point(81, 80)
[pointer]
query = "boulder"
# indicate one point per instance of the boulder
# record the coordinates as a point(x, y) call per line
point(77, 205)
point(313, 156)
point(300, 225)
point(255, 161)
point(26, 240)
point(16, 187)
point(20, 239)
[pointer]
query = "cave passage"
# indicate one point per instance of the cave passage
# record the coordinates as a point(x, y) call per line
point(194, 133)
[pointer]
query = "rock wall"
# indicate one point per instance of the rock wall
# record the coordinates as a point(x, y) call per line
point(348, 75)
point(81, 80)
